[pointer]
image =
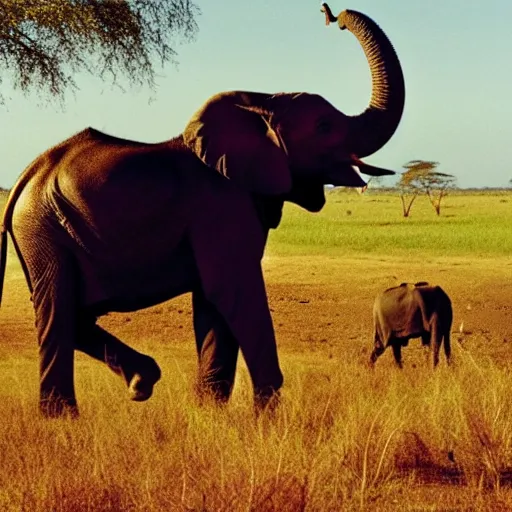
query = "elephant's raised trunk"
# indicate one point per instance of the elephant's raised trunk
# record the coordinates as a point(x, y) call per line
point(371, 129)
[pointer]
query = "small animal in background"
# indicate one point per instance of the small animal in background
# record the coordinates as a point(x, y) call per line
point(412, 311)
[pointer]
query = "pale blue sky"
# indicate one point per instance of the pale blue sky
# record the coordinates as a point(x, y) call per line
point(456, 58)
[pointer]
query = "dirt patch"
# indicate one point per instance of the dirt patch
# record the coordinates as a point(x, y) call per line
point(318, 304)
point(329, 301)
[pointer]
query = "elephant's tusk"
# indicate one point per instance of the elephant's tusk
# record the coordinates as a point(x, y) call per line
point(329, 16)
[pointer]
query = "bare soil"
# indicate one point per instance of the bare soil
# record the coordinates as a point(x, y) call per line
point(318, 303)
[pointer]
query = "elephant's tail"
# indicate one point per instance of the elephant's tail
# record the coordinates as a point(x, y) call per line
point(6, 221)
point(3, 258)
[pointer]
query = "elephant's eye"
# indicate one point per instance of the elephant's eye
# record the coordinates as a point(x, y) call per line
point(323, 127)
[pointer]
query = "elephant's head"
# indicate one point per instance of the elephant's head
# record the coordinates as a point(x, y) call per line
point(292, 144)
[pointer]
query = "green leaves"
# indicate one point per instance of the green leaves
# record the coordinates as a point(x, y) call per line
point(422, 178)
point(43, 44)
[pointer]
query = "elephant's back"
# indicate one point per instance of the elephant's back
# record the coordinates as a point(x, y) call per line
point(122, 189)
point(398, 313)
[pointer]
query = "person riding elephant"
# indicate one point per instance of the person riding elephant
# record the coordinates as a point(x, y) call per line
point(104, 224)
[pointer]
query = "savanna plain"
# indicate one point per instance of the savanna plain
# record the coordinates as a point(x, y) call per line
point(345, 437)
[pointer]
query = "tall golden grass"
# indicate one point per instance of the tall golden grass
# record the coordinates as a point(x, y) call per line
point(344, 438)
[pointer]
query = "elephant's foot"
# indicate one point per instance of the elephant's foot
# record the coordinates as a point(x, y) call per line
point(216, 392)
point(141, 384)
point(267, 402)
point(58, 408)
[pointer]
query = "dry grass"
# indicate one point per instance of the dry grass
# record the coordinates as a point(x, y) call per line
point(345, 437)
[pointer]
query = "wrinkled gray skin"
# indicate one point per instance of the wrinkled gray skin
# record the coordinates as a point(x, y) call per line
point(412, 311)
point(104, 224)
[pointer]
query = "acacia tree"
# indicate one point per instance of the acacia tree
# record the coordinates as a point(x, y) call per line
point(422, 178)
point(408, 189)
point(43, 43)
point(436, 186)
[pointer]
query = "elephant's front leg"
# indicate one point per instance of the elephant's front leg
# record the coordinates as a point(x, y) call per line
point(425, 343)
point(396, 345)
point(378, 349)
point(241, 300)
point(228, 241)
point(217, 350)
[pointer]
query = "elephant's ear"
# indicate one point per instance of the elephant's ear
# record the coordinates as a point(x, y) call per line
point(239, 143)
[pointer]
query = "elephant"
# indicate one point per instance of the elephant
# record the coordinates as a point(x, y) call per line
point(412, 311)
point(102, 224)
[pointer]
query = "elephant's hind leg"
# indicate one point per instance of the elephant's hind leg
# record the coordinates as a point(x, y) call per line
point(447, 345)
point(54, 283)
point(139, 371)
point(436, 337)
point(217, 351)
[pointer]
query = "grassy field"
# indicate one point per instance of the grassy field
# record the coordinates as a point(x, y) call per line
point(373, 224)
point(345, 438)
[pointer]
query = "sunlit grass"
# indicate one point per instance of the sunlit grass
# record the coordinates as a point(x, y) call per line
point(345, 438)
point(373, 224)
